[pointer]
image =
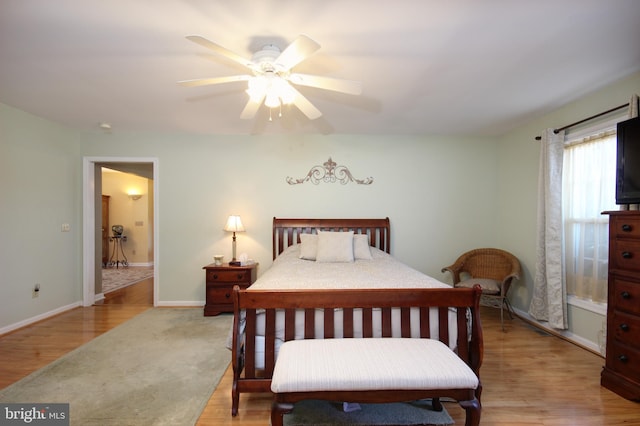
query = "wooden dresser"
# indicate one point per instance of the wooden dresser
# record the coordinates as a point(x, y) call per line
point(621, 373)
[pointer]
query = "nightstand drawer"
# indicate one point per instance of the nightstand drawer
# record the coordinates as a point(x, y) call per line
point(221, 295)
point(229, 276)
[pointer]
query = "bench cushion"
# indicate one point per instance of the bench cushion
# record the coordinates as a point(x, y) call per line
point(369, 364)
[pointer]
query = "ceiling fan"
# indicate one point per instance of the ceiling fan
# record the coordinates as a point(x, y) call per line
point(272, 81)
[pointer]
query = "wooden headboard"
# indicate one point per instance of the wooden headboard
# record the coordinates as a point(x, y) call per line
point(286, 232)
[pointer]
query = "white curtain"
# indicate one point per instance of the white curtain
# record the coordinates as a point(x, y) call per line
point(549, 293)
point(588, 176)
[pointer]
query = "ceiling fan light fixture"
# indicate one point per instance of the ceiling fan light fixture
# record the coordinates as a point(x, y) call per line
point(256, 89)
point(272, 100)
point(283, 90)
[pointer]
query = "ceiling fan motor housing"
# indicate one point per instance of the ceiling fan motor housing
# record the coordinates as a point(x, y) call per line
point(265, 59)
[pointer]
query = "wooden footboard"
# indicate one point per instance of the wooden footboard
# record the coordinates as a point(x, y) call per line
point(283, 304)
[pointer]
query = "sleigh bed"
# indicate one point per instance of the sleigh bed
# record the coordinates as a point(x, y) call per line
point(309, 255)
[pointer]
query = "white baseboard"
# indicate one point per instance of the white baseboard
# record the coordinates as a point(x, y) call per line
point(563, 334)
point(37, 318)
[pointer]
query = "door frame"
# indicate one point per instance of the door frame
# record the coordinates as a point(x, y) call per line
point(89, 223)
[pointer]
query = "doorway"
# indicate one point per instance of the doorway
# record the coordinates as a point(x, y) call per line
point(127, 234)
point(92, 221)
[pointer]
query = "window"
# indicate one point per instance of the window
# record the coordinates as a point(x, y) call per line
point(589, 173)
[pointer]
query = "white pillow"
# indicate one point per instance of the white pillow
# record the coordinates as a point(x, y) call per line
point(308, 246)
point(361, 248)
point(335, 247)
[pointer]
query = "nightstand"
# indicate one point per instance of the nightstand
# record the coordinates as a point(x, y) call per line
point(220, 281)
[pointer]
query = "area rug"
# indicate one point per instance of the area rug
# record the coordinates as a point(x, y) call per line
point(314, 412)
point(116, 278)
point(159, 368)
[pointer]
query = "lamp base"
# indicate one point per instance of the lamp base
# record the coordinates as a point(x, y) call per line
point(235, 263)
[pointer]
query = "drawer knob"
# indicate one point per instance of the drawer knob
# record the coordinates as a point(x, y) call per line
point(627, 227)
point(215, 276)
point(227, 295)
point(623, 358)
point(625, 295)
point(627, 254)
point(624, 327)
point(239, 276)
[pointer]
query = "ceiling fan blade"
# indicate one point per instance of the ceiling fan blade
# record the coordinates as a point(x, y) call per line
point(305, 105)
point(251, 109)
point(215, 80)
point(345, 86)
point(300, 49)
point(219, 49)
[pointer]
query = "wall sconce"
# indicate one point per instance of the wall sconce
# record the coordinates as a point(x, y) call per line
point(135, 197)
point(234, 224)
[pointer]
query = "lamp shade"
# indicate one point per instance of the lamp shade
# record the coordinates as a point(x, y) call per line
point(234, 224)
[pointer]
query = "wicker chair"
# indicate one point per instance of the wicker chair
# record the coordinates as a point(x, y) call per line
point(493, 269)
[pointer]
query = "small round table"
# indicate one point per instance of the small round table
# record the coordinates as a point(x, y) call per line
point(117, 250)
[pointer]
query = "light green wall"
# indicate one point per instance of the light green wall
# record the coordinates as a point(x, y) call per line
point(40, 189)
point(518, 154)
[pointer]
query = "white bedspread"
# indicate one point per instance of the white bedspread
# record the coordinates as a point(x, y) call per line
point(384, 271)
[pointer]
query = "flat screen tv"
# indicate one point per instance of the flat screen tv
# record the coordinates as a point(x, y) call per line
point(628, 162)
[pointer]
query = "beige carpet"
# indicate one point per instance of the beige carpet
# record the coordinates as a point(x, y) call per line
point(116, 278)
point(159, 368)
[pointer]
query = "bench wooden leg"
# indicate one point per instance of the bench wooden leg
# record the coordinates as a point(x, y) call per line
point(436, 404)
point(278, 410)
point(473, 409)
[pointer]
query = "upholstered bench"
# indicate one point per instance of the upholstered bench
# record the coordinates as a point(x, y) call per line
point(372, 370)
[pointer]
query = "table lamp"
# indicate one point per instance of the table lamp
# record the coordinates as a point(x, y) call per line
point(234, 224)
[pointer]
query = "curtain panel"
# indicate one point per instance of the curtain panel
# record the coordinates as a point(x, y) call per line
point(549, 293)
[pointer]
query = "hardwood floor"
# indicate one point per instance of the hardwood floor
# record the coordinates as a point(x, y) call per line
point(529, 377)
point(25, 350)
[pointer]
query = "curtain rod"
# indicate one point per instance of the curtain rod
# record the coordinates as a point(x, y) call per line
point(556, 131)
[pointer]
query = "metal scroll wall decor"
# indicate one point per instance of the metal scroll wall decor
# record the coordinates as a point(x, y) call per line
point(329, 172)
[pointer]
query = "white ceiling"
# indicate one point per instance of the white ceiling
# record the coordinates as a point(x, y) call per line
point(477, 67)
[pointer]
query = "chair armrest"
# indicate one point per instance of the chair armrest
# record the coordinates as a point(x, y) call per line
point(455, 273)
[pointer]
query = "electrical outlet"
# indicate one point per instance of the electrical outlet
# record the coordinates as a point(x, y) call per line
point(66, 227)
